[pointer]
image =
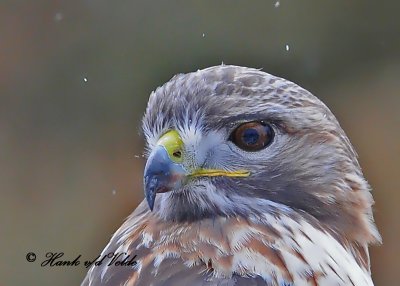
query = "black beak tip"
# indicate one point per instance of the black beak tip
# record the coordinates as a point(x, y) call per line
point(150, 191)
point(150, 202)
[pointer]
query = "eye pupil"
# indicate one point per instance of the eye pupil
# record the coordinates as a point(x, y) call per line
point(252, 136)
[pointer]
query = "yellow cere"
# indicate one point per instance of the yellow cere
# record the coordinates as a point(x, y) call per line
point(173, 143)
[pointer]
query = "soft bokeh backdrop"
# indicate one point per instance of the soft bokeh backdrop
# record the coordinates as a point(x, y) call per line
point(75, 77)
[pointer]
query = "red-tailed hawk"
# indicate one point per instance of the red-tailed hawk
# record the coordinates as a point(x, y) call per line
point(250, 180)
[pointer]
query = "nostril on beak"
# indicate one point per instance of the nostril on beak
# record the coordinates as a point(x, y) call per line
point(177, 154)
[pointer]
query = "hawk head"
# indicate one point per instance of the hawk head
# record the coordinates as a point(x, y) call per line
point(250, 181)
point(237, 142)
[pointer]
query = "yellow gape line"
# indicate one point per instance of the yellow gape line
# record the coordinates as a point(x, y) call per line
point(215, 173)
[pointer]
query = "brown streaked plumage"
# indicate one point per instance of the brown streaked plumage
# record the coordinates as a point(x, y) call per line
point(295, 211)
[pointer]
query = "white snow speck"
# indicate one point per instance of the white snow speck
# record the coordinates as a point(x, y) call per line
point(58, 16)
point(287, 47)
point(204, 35)
point(114, 192)
point(85, 79)
point(136, 156)
point(277, 4)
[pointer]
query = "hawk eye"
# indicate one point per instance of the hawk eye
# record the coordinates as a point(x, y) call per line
point(252, 136)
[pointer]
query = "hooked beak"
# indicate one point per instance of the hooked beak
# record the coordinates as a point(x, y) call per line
point(161, 175)
point(164, 170)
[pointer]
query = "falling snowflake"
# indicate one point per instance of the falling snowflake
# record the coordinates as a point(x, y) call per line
point(58, 16)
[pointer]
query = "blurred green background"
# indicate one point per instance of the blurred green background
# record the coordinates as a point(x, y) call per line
point(75, 77)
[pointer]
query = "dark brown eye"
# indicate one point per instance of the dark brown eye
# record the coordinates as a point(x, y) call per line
point(252, 136)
